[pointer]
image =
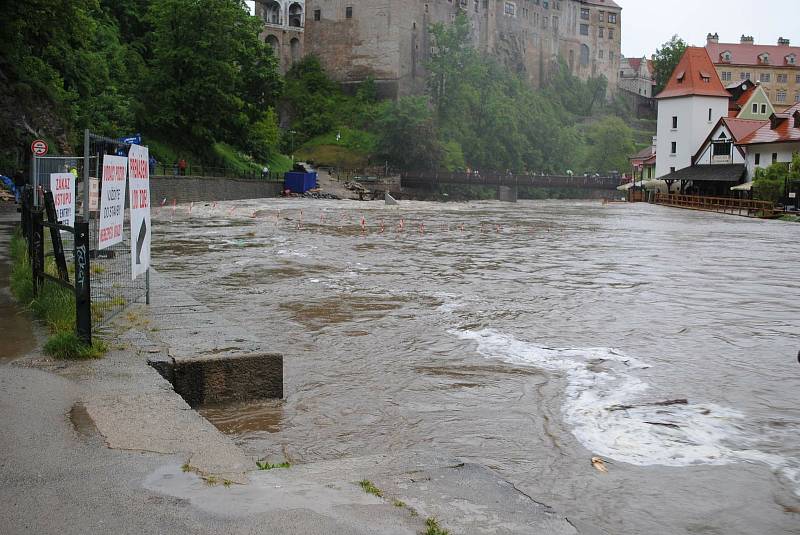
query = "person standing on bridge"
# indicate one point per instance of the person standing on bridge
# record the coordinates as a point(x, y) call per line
point(182, 167)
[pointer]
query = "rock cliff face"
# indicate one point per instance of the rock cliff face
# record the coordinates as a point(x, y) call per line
point(391, 41)
point(24, 118)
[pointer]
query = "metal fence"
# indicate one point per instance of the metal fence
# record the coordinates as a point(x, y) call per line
point(111, 282)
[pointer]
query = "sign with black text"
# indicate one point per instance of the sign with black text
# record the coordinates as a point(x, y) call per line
point(112, 202)
point(63, 187)
point(139, 194)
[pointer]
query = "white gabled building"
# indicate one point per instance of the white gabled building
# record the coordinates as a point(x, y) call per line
point(775, 142)
point(692, 102)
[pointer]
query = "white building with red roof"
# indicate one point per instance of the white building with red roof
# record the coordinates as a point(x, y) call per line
point(637, 75)
point(774, 142)
point(691, 103)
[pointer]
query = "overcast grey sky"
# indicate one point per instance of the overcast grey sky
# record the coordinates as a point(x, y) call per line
point(646, 24)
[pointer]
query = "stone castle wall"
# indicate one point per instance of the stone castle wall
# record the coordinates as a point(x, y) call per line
point(391, 42)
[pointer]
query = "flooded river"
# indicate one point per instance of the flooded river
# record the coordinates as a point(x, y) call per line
point(528, 338)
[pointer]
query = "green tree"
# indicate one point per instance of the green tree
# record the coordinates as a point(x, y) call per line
point(609, 143)
point(407, 135)
point(211, 78)
point(666, 59)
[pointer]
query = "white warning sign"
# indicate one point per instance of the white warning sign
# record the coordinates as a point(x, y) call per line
point(139, 194)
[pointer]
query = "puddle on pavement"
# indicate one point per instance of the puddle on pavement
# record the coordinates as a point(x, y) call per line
point(81, 421)
point(247, 418)
point(17, 333)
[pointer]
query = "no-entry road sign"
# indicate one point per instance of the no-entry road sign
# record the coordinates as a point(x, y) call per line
point(39, 147)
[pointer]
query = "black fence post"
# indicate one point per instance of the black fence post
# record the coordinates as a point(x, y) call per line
point(83, 294)
point(37, 241)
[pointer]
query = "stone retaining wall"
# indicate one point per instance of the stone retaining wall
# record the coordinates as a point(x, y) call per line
point(194, 188)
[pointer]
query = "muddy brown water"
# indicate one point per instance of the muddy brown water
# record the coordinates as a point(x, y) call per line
point(528, 338)
point(16, 334)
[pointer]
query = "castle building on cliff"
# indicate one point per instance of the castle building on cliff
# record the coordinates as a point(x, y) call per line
point(390, 41)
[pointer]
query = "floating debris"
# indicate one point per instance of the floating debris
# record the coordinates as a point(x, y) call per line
point(599, 464)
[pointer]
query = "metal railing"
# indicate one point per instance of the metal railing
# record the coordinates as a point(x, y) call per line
point(724, 205)
point(210, 171)
point(62, 238)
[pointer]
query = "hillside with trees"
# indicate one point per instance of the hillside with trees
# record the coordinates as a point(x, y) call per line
point(195, 79)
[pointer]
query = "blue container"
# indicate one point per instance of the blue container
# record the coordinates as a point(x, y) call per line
point(298, 182)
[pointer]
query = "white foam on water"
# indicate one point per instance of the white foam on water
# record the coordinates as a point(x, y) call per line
point(609, 414)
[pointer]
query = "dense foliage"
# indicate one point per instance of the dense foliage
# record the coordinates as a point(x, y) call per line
point(196, 80)
point(666, 59)
point(770, 184)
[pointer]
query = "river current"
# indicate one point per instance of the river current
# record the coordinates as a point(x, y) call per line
point(527, 337)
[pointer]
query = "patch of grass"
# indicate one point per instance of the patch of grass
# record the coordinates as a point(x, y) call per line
point(280, 163)
point(186, 468)
point(790, 218)
point(227, 483)
point(433, 527)
point(398, 503)
point(97, 269)
point(359, 141)
point(264, 465)
point(235, 160)
point(211, 480)
point(369, 488)
point(333, 156)
point(55, 306)
point(66, 345)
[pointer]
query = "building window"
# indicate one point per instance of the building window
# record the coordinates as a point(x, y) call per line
point(797, 96)
point(709, 115)
point(765, 77)
point(721, 149)
point(600, 32)
point(780, 96)
point(763, 109)
point(674, 148)
point(584, 55)
point(797, 78)
point(774, 157)
point(755, 108)
point(612, 18)
point(510, 9)
point(600, 53)
point(744, 75)
point(317, 14)
point(348, 12)
point(584, 13)
point(584, 29)
point(726, 76)
point(782, 78)
point(611, 33)
point(611, 55)
point(758, 158)
point(674, 122)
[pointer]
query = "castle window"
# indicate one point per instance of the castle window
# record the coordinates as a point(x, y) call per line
point(612, 18)
point(611, 33)
point(791, 59)
point(510, 9)
point(782, 78)
point(584, 55)
point(726, 76)
point(600, 32)
point(780, 96)
point(348, 12)
point(600, 53)
point(764, 58)
point(744, 75)
point(584, 29)
point(726, 57)
point(317, 14)
point(765, 77)
point(584, 13)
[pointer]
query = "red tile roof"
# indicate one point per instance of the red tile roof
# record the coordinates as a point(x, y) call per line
point(635, 63)
point(741, 128)
point(782, 129)
point(643, 154)
point(747, 54)
point(694, 75)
